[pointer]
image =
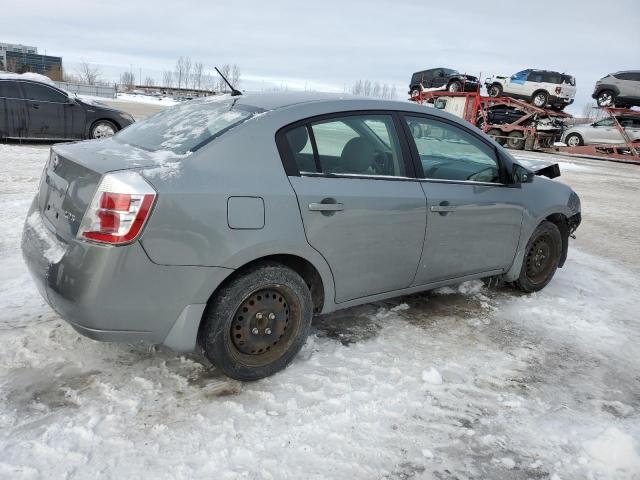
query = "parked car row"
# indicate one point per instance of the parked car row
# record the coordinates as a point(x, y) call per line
point(36, 110)
point(542, 88)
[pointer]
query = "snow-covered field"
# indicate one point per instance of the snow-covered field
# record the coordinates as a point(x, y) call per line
point(462, 383)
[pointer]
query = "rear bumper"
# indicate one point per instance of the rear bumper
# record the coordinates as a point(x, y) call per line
point(117, 294)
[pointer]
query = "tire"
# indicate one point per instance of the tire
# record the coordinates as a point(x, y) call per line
point(574, 140)
point(496, 134)
point(540, 99)
point(606, 98)
point(541, 258)
point(515, 140)
point(415, 93)
point(495, 90)
point(103, 129)
point(455, 86)
point(480, 122)
point(257, 323)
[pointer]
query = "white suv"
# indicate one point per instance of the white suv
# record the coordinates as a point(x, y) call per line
point(541, 88)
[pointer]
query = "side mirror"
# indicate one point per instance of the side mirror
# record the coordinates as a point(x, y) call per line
point(519, 174)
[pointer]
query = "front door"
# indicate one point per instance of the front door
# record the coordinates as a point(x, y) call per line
point(47, 111)
point(473, 219)
point(360, 208)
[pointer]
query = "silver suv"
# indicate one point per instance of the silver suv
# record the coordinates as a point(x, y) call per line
point(621, 89)
point(229, 223)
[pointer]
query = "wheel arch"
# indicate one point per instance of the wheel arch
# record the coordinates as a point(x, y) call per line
point(560, 221)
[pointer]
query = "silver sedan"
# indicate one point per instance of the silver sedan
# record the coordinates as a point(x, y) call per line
point(603, 131)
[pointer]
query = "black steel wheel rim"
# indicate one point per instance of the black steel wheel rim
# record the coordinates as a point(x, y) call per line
point(540, 259)
point(265, 325)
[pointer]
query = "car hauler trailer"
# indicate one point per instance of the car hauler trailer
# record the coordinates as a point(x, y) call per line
point(513, 123)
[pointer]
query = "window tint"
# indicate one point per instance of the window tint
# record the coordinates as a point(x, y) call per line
point(42, 93)
point(448, 152)
point(536, 77)
point(625, 76)
point(355, 144)
point(185, 127)
point(9, 90)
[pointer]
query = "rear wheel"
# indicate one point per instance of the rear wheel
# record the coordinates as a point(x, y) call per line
point(540, 99)
point(496, 134)
point(103, 129)
point(495, 90)
point(541, 259)
point(574, 140)
point(455, 86)
point(257, 323)
point(515, 140)
point(415, 93)
point(606, 98)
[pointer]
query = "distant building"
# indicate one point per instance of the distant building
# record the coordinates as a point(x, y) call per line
point(23, 58)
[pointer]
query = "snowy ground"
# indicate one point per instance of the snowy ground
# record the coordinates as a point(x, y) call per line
point(464, 383)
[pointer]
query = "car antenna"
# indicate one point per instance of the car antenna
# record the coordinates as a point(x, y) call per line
point(234, 92)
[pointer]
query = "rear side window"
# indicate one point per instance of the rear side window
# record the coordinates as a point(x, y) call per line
point(185, 127)
point(9, 89)
point(42, 93)
point(351, 145)
point(448, 152)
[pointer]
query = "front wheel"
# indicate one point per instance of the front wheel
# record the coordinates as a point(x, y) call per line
point(574, 140)
point(541, 258)
point(257, 323)
point(495, 90)
point(103, 129)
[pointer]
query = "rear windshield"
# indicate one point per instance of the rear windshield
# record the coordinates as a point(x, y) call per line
point(185, 127)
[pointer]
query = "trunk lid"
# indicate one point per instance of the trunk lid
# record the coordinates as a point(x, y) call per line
point(72, 175)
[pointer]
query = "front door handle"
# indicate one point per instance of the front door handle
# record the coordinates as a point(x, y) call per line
point(326, 207)
point(443, 208)
point(35, 106)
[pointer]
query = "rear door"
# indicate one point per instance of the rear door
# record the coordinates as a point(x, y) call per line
point(605, 131)
point(360, 207)
point(473, 218)
point(47, 111)
point(13, 110)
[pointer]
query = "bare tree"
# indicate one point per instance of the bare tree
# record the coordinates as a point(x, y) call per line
point(167, 78)
point(385, 91)
point(179, 72)
point(127, 80)
point(357, 88)
point(222, 86)
point(187, 71)
point(197, 75)
point(366, 89)
point(377, 90)
point(235, 76)
point(89, 74)
point(149, 82)
point(393, 93)
point(588, 111)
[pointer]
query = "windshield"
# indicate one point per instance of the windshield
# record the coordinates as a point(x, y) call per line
point(185, 127)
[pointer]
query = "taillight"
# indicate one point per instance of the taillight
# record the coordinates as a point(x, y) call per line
point(119, 209)
point(558, 90)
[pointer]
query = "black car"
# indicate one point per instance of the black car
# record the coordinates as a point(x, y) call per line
point(38, 111)
point(442, 79)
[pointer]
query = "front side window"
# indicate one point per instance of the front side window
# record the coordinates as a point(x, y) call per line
point(448, 152)
point(350, 145)
point(607, 122)
point(185, 127)
point(42, 93)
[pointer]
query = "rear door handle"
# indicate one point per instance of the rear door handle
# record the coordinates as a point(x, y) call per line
point(35, 106)
point(326, 207)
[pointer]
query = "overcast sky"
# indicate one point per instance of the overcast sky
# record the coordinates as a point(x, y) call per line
point(328, 44)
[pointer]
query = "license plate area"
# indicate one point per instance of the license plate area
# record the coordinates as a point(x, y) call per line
point(56, 192)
